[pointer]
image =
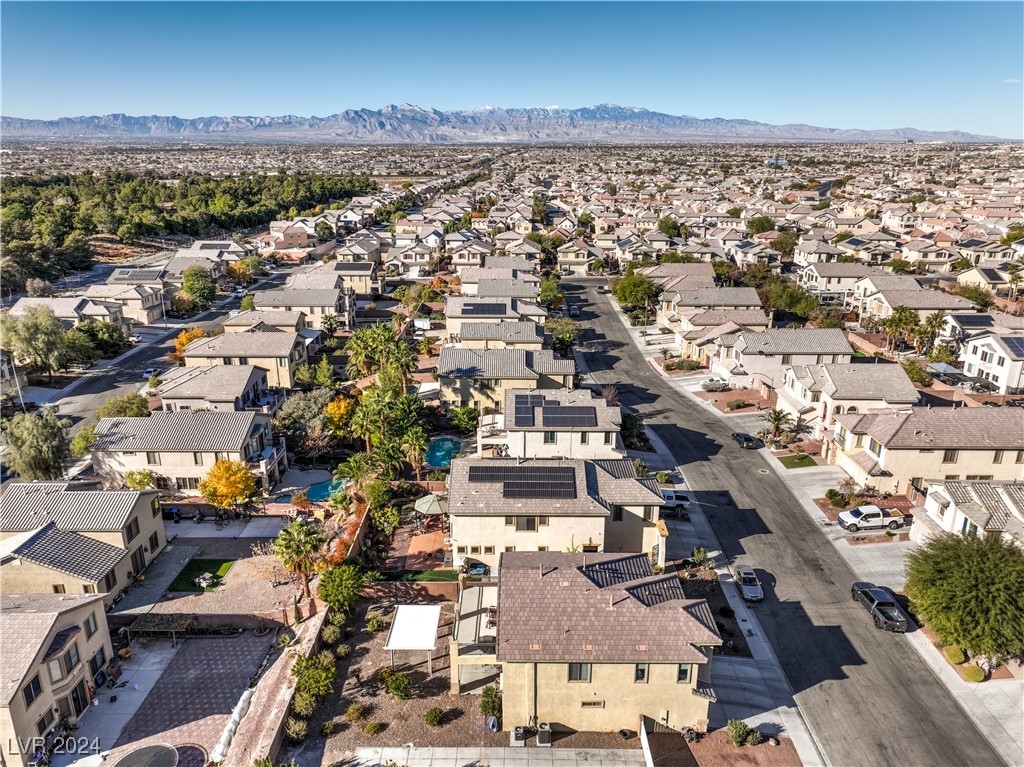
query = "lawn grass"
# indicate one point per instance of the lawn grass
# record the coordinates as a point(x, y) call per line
point(422, 576)
point(186, 578)
point(795, 462)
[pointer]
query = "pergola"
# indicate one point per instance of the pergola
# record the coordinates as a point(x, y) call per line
point(162, 623)
point(414, 628)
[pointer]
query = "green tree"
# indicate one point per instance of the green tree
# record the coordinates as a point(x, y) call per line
point(635, 289)
point(359, 469)
point(899, 266)
point(916, 372)
point(75, 348)
point(304, 422)
point(325, 232)
point(785, 243)
point(248, 304)
point(330, 323)
point(564, 332)
point(323, 374)
point(82, 441)
point(106, 337)
point(415, 445)
point(978, 295)
point(777, 419)
point(759, 225)
point(197, 281)
point(668, 226)
point(539, 210)
point(300, 547)
point(141, 479)
point(340, 586)
point(385, 519)
point(968, 590)
point(36, 336)
point(734, 212)
point(37, 445)
point(842, 236)
point(464, 419)
point(1015, 233)
point(550, 290)
point(124, 406)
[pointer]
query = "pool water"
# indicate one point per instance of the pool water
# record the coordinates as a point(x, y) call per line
point(442, 450)
point(322, 491)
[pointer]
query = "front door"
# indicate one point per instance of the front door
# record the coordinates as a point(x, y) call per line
point(138, 561)
point(79, 698)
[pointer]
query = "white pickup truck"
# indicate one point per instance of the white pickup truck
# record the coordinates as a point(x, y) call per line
point(871, 517)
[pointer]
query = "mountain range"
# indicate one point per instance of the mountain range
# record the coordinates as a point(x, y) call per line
point(408, 124)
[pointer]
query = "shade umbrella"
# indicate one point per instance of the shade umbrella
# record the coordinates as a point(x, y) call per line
point(431, 505)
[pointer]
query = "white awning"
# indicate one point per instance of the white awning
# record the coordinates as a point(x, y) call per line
point(414, 628)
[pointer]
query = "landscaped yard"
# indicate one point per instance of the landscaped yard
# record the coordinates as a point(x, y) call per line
point(433, 576)
point(798, 461)
point(185, 581)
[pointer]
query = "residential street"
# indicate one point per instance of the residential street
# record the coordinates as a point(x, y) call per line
point(867, 696)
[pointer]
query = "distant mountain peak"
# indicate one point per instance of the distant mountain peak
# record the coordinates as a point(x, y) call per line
point(412, 124)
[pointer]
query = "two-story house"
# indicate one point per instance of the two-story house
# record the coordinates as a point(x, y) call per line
point(672, 304)
point(74, 310)
point(479, 378)
point(219, 387)
point(314, 303)
point(831, 283)
point(977, 507)
point(142, 304)
point(551, 423)
point(501, 335)
point(55, 649)
point(181, 447)
point(760, 359)
point(996, 358)
point(460, 309)
point(71, 538)
point(594, 642)
point(902, 452)
point(278, 353)
point(498, 504)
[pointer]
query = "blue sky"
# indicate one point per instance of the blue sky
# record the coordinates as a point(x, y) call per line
point(936, 66)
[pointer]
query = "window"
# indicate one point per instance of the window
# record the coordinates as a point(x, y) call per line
point(131, 530)
point(110, 581)
point(815, 396)
point(542, 548)
point(859, 441)
point(44, 722)
point(591, 704)
point(979, 477)
point(510, 548)
point(997, 457)
point(1001, 361)
point(474, 549)
point(1020, 456)
point(526, 524)
point(71, 658)
point(460, 550)
point(549, 438)
point(243, 360)
point(154, 542)
point(640, 673)
point(584, 437)
point(99, 660)
point(488, 549)
point(579, 672)
point(220, 457)
point(90, 625)
point(952, 476)
point(32, 690)
point(608, 437)
point(153, 459)
point(683, 673)
point(56, 670)
point(616, 513)
point(510, 521)
point(282, 362)
point(197, 459)
point(874, 446)
point(156, 506)
point(58, 588)
point(542, 521)
point(787, 359)
point(648, 513)
point(88, 588)
point(950, 456)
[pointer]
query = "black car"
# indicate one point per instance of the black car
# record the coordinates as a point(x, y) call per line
point(1015, 403)
point(745, 440)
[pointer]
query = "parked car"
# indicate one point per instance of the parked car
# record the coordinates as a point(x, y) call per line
point(604, 289)
point(133, 339)
point(574, 310)
point(870, 517)
point(555, 314)
point(240, 293)
point(745, 440)
point(149, 372)
point(984, 386)
point(748, 584)
point(675, 499)
point(885, 611)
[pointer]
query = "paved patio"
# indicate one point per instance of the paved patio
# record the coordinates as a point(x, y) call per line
point(160, 573)
point(411, 756)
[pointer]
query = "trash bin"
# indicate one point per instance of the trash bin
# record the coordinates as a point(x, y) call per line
point(544, 735)
point(517, 738)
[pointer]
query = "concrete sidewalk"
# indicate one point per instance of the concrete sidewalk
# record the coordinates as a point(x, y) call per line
point(995, 707)
point(412, 756)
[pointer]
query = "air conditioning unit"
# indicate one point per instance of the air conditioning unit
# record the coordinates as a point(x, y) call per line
point(544, 735)
point(517, 738)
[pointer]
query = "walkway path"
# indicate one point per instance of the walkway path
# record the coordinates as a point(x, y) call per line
point(411, 756)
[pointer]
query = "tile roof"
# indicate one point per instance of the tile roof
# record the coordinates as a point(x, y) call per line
point(216, 383)
point(795, 341)
point(555, 606)
point(29, 505)
point(454, 362)
point(298, 297)
point(738, 297)
point(244, 344)
point(515, 332)
point(925, 299)
point(180, 431)
point(276, 317)
point(962, 428)
point(993, 505)
point(886, 383)
point(77, 555)
point(606, 417)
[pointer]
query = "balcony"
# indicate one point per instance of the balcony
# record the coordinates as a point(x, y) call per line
point(268, 402)
point(268, 458)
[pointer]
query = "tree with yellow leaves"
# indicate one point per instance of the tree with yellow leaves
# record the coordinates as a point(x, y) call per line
point(229, 484)
point(339, 412)
point(184, 338)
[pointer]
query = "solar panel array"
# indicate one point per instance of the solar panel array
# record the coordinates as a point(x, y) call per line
point(1015, 344)
point(524, 405)
point(569, 416)
point(483, 310)
point(526, 481)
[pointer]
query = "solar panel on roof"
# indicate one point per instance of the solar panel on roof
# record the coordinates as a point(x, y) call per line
point(526, 481)
point(482, 310)
point(569, 416)
point(1015, 344)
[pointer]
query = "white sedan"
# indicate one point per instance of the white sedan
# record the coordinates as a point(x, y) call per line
point(749, 585)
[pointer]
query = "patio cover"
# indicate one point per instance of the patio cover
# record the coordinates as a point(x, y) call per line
point(414, 628)
point(431, 505)
point(943, 369)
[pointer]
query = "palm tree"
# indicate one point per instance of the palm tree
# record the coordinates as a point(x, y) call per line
point(299, 547)
point(330, 323)
point(363, 425)
point(426, 347)
point(905, 320)
point(389, 459)
point(358, 470)
point(415, 445)
point(1013, 280)
point(934, 323)
point(777, 419)
point(921, 336)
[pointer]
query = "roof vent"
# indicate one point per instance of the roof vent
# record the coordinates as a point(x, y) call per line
point(641, 647)
point(535, 647)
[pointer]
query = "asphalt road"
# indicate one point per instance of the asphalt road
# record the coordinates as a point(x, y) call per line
point(867, 696)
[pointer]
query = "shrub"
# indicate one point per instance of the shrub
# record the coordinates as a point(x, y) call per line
point(741, 734)
point(700, 556)
point(375, 623)
point(383, 675)
point(640, 467)
point(399, 685)
point(337, 618)
point(490, 701)
point(434, 717)
point(736, 404)
point(348, 632)
point(974, 674)
point(355, 712)
point(357, 673)
point(954, 655)
point(726, 612)
point(437, 475)
point(715, 386)
point(343, 650)
point(373, 728)
point(303, 705)
point(662, 477)
point(330, 634)
point(834, 497)
point(296, 730)
point(328, 728)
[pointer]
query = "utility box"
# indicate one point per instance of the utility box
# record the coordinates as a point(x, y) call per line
point(544, 735)
point(517, 738)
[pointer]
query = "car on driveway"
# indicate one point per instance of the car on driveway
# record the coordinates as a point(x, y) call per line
point(871, 517)
point(884, 609)
point(748, 584)
point(745, 440)
point(555, 314)
point(675, 499)
point(574, 310)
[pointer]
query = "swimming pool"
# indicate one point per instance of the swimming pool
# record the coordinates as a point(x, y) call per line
point(442, 450)
point(322, 491)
